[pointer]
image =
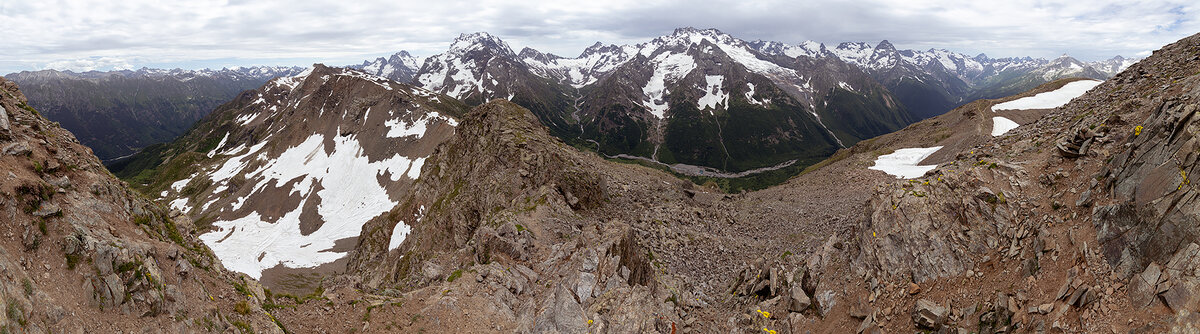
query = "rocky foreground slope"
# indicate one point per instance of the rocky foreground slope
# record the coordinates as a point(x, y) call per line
point(80, 252)
point(1081, 221)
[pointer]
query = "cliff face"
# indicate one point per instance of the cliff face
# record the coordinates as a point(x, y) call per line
point(81, 252)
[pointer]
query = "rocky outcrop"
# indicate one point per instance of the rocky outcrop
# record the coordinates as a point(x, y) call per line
point(1122, 154)
point(81, 252)
point(504, 199)
point(933, 226)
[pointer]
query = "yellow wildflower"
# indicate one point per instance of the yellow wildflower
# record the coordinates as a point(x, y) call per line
point(1137, 131)
point(1183, 173)
point(589, 322)
point(765, 314)
point(768, 330)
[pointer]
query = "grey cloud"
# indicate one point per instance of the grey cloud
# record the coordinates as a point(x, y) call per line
point(42, 33)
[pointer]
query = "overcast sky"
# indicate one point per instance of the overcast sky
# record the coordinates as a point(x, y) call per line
point(103, 35)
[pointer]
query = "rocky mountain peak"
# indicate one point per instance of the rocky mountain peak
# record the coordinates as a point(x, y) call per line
point(693, 36)
point(593, 49)
point(531, 53)
point(885, 46)
point(480, 41)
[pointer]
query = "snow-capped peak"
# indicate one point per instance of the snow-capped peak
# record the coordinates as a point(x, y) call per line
point(480, 41)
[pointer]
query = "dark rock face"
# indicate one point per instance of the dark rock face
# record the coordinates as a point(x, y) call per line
point(1157, 210)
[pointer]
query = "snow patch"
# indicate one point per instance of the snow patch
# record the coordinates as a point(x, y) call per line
point(1001, 125)
point(181, 205)
point(245, 120)
point(414, 169)
point(752, 100)
point(219, 145)
point(178, 185)
point(903, 162)
point(668, 66)
point(1051, 99)
point(398, 128)
point(713, 94)
point(400, 231)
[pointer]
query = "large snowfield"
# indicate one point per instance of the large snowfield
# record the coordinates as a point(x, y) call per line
point(1052, 99)
point(348, 195)
point(903, 162)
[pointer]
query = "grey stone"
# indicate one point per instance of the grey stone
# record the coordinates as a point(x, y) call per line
point(584, 285)
point(800, 300)
point(590, 260)
point(47, 209)
point(1046, 308)
point(113, 290)
point(17, 148)
point(560, 314)
point(31, 238)
point(61, 182)
point(1143, 287)
point(867, 324)
point(825, 301)
point(3, 119)
point(1078, 297)
point(1085, 199)
point(431, 270)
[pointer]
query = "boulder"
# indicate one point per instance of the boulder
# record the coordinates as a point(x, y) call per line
point(3, 119)
point(584, 285)
point(800, 300)
point(826, 299)
point(929, 315)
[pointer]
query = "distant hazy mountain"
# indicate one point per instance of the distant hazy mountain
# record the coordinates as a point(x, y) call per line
point(119, 112)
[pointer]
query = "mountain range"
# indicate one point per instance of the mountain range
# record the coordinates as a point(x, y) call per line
point(698, 101)
point(686, 100)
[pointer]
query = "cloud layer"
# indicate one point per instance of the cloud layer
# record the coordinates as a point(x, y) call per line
point(83, 35)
